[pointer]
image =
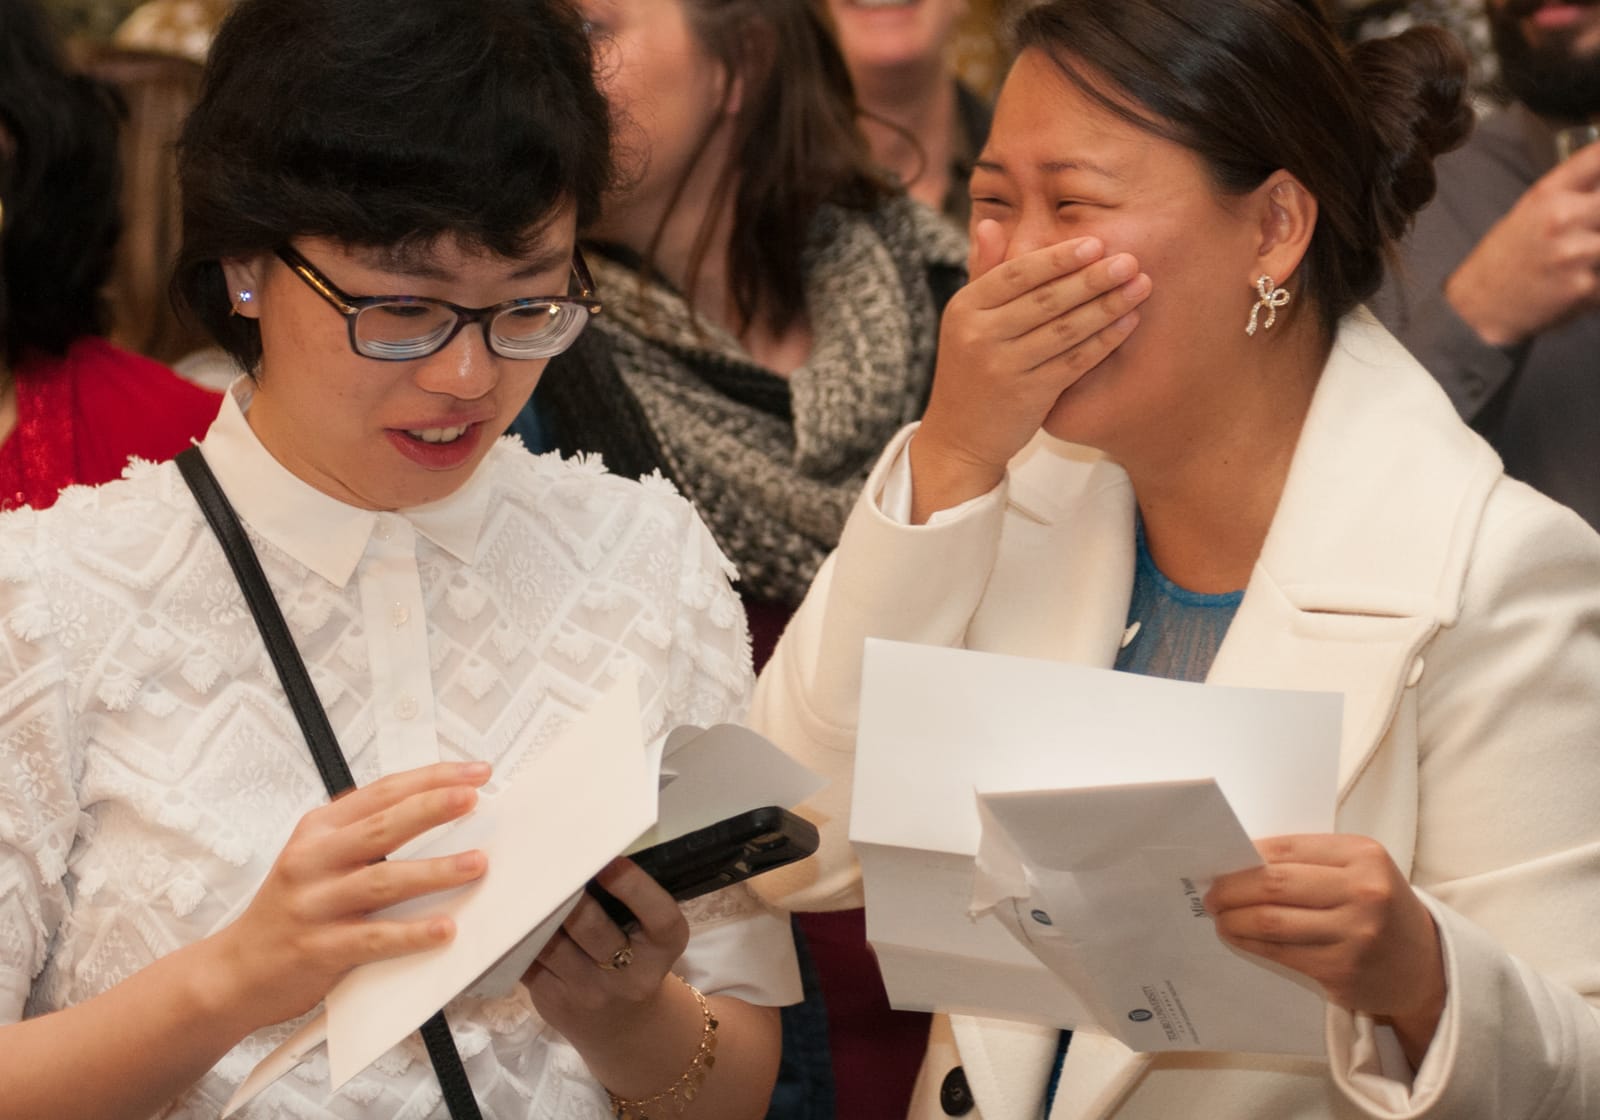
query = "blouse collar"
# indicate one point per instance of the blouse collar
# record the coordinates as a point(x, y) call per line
point(319, 531)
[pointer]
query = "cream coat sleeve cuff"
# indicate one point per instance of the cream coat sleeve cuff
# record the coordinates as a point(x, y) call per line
point(1509, 1044)
point(894, 497)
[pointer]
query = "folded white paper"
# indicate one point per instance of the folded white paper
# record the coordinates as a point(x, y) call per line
point(1104, 885)
point(937, 725)
point(594, 792)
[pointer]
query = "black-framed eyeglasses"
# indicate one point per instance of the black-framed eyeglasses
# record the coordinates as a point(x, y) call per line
point(404, 328)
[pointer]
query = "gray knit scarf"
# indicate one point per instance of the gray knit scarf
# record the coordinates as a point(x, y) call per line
point(775, 484)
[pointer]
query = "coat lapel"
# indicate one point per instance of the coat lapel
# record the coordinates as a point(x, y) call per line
point(1367, 553)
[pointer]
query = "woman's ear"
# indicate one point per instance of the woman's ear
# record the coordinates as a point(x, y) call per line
point(1288, 218)
point(244, 278)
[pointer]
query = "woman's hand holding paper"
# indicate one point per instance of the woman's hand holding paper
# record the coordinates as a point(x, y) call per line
point(309, 923)
point(1337, 909)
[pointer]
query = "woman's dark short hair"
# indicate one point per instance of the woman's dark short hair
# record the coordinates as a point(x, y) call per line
point(384, 123)
point(58, 184)
point(1252, 86)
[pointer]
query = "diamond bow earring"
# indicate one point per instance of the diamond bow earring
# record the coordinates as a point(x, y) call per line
point(1272, 298)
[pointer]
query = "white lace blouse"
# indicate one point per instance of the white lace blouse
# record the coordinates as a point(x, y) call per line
point(150, 768)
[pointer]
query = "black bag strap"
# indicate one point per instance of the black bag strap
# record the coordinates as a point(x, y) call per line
point(313, 720)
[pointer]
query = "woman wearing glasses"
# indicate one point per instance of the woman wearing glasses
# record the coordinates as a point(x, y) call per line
point(381, 202)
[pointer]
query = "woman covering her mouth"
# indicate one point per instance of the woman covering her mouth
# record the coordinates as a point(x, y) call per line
point(1165, 437)
point(381, 200)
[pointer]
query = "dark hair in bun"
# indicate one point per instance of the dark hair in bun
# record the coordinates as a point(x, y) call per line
point(1252, 86)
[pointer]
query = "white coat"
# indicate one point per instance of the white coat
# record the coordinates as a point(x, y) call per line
point(1457, 611)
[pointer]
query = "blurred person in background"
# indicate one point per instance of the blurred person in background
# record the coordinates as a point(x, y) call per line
point(925, 124)
point(183, 28)
point(153, 60)
point(74, 407)
point(772, 298)
point(1497, 289)
point(772, 309)
point(155, 91)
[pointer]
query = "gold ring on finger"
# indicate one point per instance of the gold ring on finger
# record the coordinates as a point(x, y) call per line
point(621, 959)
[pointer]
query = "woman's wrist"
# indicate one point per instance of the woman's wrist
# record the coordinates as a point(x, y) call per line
point(942, 478)
point(217, 985)
point(1415, 1029)
point(638, 1058)
point(673, 1099)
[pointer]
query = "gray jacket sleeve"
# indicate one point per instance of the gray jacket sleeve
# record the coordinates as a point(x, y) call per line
point(1477, 185)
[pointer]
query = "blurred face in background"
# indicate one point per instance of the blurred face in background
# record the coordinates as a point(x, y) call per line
point(884, 35)
point(1549, 54)
point(668, 95)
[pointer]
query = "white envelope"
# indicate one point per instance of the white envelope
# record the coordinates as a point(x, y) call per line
point(594, 792)
point(939, 724)
point(1104, 885)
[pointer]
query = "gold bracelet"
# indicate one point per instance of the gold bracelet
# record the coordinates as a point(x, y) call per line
point(684, 1090)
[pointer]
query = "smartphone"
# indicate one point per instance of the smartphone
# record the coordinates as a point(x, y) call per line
point(718, 856)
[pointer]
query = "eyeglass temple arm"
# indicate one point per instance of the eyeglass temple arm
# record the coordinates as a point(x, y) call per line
point(324, 289)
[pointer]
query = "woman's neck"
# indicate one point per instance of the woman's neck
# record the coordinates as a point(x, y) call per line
point(910, 121)
point(708, 285)
point(1208, 501)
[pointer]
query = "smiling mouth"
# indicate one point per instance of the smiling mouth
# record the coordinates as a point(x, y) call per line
point(438, 435)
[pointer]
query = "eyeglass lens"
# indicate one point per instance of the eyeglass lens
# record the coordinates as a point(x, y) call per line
point(414, 328)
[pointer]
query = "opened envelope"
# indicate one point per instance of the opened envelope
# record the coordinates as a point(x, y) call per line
point(1104, 886)
point(588, 796)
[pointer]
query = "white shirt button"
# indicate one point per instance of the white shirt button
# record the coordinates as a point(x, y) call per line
point(385, 528)
point(399, 615)
point(405, 707)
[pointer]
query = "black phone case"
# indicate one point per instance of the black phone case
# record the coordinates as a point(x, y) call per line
point(718, 856)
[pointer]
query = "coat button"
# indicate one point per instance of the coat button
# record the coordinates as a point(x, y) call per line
point(955, 1096)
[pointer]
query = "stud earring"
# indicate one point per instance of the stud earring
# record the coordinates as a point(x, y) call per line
point(240, 298)
point(1271, 298)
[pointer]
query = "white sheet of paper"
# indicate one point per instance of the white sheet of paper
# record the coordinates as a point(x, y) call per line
point(938, 724)
point(1104, 885)
point(562, 818)
point(559, 821)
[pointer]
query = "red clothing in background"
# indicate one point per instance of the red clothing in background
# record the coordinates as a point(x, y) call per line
point(80, 417)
